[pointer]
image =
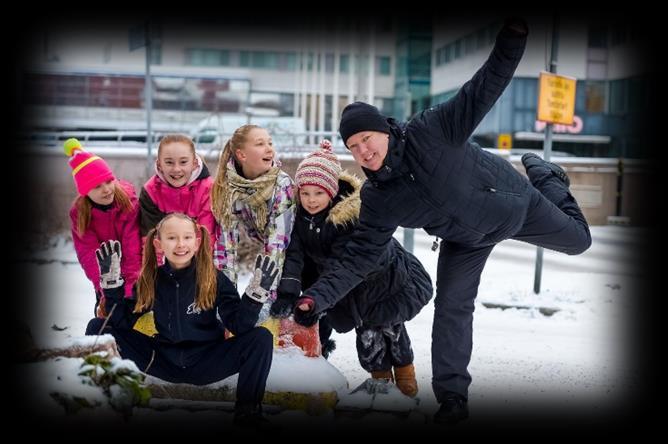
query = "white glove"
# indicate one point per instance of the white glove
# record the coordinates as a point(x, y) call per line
point(109, 261)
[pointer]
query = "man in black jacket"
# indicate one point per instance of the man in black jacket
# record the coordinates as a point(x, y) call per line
point(425, 173)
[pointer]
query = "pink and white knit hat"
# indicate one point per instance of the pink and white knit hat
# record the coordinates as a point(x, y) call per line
point(88, 170)
point(320, 168)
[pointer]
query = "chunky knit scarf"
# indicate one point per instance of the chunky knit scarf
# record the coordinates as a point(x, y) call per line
point(254, 193)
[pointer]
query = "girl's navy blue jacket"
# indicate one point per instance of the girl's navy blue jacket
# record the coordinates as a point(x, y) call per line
point(181, 326)
point(392, 295)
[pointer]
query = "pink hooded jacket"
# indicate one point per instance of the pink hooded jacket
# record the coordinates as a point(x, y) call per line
point(112, 224)
point(158, 198)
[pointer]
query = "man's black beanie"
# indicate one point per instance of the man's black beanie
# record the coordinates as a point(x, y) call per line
point(360, 116)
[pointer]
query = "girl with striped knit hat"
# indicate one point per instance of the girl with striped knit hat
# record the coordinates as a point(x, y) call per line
point(377, 308)
point(106, 209)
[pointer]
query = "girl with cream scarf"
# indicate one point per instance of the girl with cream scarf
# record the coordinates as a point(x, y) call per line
point(251, 194)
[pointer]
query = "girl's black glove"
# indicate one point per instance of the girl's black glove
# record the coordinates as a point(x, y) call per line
point(263, 278)
point(282, 307)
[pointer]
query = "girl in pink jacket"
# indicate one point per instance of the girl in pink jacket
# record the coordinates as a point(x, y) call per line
point(181, 184)
point(106, 209)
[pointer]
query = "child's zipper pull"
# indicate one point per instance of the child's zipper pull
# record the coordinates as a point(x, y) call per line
point(434, 246)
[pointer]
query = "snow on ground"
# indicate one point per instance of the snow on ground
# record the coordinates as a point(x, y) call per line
point(576, 356)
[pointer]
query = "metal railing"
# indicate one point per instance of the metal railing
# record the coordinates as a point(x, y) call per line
point(205, 140)
point(210, 141)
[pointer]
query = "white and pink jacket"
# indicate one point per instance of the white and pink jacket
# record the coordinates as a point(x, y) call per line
point(158, 198)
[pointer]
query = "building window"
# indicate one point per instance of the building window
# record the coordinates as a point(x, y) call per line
point(444, 55)
point(345, 62)
point(595, 97)
point(264, 60)
point(467, 44)
point(329, 62)
point(287, 61)
point(156, 54)
point(458, 49)
point(291, 61)
point(618, 97)
point(207, 57)
point(448, 56)
point(519, 95)
point(211, 58)
point(244, 59)
point(193, 57)
point(383, 65)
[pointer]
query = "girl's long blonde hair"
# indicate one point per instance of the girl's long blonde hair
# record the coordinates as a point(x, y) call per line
point(84, 207)
point(205, 270)
point(220, 182)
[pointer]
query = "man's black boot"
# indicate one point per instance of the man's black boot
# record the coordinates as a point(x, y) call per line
point(454, 408)
point(251, 416)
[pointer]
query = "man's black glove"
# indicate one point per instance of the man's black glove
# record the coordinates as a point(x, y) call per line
point(264, 276)
point(109, 260)
point(517, 25)
point(282, 306)
point(309, 317)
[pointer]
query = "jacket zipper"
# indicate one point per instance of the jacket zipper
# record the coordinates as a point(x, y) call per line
point(178, 323)
point(435, 244)
point(495, 191)
point(356, 314)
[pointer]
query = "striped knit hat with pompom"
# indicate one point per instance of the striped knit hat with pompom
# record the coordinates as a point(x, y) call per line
point(320, 168)
point(88, 170)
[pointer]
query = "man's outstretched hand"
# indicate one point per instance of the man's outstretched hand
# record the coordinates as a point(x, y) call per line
point(517, 25)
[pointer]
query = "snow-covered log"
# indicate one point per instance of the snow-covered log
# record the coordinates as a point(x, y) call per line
point(74, 348)
point(198, 406)
point(296, 382)
point(315, 402)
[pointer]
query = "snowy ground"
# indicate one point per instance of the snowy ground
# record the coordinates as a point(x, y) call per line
point(522, 358)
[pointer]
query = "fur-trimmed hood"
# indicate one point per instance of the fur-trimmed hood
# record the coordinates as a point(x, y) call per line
point(347, 209)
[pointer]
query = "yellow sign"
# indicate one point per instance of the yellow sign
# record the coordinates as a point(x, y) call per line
point(556, 98)
point(504, 141)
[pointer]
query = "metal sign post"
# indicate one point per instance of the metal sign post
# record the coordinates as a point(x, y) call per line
point(149, 104)
point(547, 145)
point(140, 36)
point(556, 104)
